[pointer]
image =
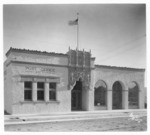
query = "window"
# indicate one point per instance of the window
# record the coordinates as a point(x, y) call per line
point(133, 96)
point(27, 91)
point(40, 90)
point(52, 91)
point(100, 96)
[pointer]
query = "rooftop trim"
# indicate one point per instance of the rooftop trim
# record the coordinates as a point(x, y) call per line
point(122, 68)
point(33, 51)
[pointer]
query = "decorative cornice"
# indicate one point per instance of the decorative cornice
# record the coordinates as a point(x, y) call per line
point(34, 52)
point(36, 63)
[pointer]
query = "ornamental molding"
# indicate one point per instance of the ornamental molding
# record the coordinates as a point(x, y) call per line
point(84, 76)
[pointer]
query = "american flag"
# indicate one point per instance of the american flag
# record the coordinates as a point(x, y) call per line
point(75, 22)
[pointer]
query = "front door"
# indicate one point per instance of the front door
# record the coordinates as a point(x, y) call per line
point(76, 96)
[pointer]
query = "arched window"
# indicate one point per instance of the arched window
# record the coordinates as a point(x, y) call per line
point(117, 95)
point(133, 95)
point(100, 94)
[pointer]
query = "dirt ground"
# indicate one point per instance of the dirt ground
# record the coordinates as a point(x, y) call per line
point(107, 124)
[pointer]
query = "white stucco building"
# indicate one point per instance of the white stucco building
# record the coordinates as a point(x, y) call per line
point(43, 83)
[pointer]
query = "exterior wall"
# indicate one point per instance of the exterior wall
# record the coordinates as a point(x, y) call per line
point(90, 92)
point(62, 105)
point(7, 89)
point(19, 106)
point(28, 65)
point(132, 107)
point(21, 65)
point(100, 107)
point(145, 93)
point(110, 75)
point(38, 58)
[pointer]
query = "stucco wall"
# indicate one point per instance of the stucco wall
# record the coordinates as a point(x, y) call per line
point(30, 64)
point(63, 94)
point(124, 76)
point(62, 105)
point(37, 58)
point(36, 65)
point(7, 89)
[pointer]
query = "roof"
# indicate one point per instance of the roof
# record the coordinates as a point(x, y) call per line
point(122, 68)
point(34, 52)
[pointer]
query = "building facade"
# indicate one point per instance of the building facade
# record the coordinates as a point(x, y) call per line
point(43, 83)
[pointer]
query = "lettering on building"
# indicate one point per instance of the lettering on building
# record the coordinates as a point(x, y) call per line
point(39, 70)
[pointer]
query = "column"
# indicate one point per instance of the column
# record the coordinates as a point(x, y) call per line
point(125, 99)
point(109, 99)
point(46, 91)
point(89, 100)
point(34, 91)
point(141, 99)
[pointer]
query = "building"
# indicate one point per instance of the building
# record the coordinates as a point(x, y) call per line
point(42, 83)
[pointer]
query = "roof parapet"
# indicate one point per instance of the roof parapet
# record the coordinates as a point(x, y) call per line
point(33, 51)
point(122, 68)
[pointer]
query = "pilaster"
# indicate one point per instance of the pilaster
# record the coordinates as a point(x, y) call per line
point(109, 99)
point(34, 91)
point(125, 99)
point(46, 91)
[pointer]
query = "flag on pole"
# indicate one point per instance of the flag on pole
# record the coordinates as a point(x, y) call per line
point(75, 22)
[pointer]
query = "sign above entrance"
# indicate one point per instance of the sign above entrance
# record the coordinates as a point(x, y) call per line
point(39, 69)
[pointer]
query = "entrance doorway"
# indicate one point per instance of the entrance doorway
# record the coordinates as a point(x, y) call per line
point(117, 96)
point(76, 96)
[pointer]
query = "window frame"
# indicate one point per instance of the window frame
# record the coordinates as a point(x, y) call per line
point(40, 90)
point(52, 90)
point(29, 89)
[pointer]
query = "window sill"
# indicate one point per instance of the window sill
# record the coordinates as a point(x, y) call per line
point(52, 101)
point(37, 102)
point(99, 105)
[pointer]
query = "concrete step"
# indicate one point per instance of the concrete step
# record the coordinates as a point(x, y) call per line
point(23, 119)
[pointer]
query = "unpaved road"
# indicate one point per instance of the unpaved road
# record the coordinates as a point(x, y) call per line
point(111, 124)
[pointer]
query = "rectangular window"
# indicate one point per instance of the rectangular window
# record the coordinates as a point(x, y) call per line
point(52, 91)
point(27, 91)
point(40, 91)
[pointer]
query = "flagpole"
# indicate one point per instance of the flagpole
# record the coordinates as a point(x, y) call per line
point(78, 32)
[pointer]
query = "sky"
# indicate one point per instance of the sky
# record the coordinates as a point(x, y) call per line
point(115, 33)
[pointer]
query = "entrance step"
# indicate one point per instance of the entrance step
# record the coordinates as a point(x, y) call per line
point(24, 119)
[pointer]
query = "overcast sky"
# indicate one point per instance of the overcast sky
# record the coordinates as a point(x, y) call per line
point(116, 34)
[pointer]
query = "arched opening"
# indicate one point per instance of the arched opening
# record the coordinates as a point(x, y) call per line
point(133, 96)
point(100, 95)
point(117, 95)
point(76, 96)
